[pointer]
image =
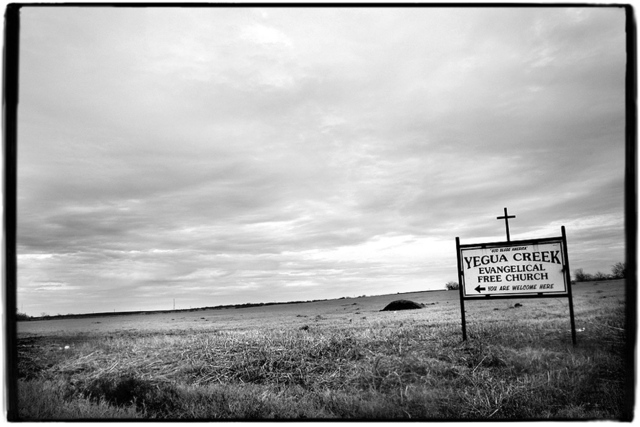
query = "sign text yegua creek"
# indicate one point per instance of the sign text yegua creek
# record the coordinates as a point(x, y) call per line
point(512, 269)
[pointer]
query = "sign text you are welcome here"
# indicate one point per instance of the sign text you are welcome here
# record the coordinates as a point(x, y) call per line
point(514, 268)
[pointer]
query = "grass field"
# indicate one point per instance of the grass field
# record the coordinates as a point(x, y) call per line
point(337, 359)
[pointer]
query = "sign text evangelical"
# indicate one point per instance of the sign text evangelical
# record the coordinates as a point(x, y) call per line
point(513, 268)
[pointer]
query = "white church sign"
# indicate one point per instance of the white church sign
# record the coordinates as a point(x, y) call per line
point(513, 268)
point(534, 268)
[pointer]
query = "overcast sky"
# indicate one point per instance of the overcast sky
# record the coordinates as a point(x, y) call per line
point(232, 155)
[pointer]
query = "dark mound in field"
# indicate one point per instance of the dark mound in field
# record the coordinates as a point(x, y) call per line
point(402, 304)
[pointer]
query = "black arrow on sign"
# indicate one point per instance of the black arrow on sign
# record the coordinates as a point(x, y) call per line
point(480, 289)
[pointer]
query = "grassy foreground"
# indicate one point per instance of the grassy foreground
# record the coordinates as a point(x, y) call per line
point(341, 360)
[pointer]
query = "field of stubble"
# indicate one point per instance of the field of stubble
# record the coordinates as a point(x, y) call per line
point(338, 359)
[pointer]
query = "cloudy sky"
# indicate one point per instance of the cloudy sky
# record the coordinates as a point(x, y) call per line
point(232, 155)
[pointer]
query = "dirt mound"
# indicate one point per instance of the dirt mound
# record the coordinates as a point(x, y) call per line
point(402, 304)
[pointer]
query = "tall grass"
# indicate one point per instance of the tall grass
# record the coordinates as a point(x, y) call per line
point(51, 400)
point(393, 367)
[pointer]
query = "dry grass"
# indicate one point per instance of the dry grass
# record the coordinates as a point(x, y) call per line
point(518, 363)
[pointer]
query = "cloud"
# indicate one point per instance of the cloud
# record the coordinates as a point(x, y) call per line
point(292, 153)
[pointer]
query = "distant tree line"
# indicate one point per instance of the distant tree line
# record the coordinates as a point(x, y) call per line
point(22, 316)
point(452, 286)
point(618, 271)
point(45, 316)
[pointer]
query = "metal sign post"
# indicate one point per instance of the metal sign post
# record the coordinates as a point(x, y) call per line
point(464, 324)
point(534, 268)
point(568, 279)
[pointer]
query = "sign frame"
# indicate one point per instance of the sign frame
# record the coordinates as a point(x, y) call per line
point(562, 240)
point(523, 269)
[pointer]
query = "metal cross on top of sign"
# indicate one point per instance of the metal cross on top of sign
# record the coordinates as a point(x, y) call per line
point(506, 222)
